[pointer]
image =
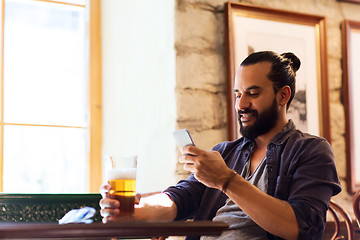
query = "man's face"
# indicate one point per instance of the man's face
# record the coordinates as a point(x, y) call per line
point(264, 121)
point(255, 100)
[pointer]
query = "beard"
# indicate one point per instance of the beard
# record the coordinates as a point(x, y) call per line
point(264, 121)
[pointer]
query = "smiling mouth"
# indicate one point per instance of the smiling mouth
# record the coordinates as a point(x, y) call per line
point(246, 117)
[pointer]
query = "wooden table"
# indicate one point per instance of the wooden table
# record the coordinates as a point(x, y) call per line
point(111, 230)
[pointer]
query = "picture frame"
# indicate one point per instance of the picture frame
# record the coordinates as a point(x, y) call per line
point(351, 97)
point(350, 1)
point(251, 28)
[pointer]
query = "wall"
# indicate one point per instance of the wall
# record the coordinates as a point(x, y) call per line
point(201, 69)
point(138, 87)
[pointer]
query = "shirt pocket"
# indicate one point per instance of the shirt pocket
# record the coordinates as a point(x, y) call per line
point(282, 186)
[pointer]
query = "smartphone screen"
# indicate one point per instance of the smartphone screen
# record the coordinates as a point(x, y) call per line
point(183, 138)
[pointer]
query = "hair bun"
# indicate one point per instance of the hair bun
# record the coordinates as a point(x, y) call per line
point(294, 60)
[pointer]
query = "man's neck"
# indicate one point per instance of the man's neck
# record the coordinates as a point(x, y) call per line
point(262, 141)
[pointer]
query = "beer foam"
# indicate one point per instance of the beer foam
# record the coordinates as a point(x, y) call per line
point(122, 173)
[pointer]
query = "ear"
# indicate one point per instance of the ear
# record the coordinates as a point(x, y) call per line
point(284, 95)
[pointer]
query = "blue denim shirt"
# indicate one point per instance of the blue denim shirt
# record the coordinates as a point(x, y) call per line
point(301, 170)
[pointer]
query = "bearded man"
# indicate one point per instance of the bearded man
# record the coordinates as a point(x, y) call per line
point(275, 182)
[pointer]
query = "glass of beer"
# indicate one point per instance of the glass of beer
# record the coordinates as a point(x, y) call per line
point(122, 179)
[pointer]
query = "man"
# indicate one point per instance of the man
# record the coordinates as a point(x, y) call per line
point(274, 182)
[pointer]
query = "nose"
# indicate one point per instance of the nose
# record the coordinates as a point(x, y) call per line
point(241, 103)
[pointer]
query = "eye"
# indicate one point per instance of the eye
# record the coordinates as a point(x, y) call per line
point(253, 94)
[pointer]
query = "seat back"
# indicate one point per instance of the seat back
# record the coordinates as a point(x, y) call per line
point(44, 207)
point(356, 206)
point(336, 210)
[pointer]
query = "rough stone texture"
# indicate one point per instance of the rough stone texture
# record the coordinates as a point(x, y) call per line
point(202, 75)
point(201, 70)
point(198, 105)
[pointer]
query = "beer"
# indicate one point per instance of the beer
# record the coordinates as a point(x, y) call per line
point(123, 186)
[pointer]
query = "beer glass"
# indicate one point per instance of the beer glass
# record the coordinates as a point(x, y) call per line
point(122, 179)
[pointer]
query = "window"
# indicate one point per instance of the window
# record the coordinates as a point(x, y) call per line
point(50, 111)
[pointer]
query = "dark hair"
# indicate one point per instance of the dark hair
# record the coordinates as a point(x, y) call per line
point(283, 69)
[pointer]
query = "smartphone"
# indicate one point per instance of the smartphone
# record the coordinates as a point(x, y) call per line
point(183, 138)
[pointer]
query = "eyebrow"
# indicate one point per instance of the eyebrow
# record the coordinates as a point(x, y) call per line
point(247, 89)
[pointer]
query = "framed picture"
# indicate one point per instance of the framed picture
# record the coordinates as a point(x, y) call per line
point(350, 1)
point(250, 29)
point(351, 88)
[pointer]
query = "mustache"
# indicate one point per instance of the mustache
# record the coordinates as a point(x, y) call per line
point(246, 110)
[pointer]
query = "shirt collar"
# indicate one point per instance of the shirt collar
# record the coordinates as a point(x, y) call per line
point(284, 134)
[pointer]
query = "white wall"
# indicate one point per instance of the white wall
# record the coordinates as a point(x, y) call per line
point(138, 87)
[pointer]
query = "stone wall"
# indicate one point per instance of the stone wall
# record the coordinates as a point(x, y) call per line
point(201, 70)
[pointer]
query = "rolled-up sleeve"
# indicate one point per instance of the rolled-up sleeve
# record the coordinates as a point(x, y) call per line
point(187, 195)
point(313, 182)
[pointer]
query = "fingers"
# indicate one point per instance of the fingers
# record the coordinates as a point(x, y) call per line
point(190, 157)
point(109, 214)
point(187, 159)
point(189, 162)
point(189, 167)
point(109, 209)
point(109, 203)
point(207, 166)
point(104, 190)
point(109, 219)
point(196, 155)
point(192, 150)
point(158, 238)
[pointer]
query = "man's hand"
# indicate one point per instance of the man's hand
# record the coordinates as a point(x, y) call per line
point(208, 167)
point(109, 207)
point(148, 207)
